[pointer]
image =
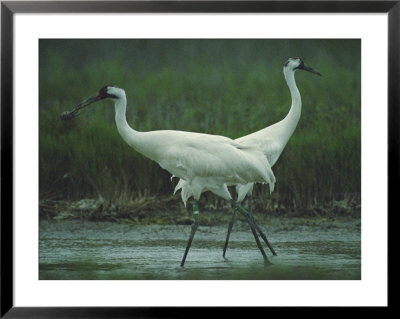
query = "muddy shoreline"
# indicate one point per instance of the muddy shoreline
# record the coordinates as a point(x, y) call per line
point(171, 211)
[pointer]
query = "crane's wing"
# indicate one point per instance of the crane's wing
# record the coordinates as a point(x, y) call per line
point(266, 142)
point(190, 155)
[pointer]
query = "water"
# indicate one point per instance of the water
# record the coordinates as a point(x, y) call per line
point(325, 250)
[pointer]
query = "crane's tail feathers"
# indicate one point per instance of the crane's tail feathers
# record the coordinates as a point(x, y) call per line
point(272, 180)
point(243, 190)
point(185, 190)
point(271, 187)
point(179, 186)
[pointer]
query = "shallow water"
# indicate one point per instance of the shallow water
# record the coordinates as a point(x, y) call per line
point(103, 250)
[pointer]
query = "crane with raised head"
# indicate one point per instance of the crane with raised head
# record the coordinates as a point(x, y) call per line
point(270, 140)
point(273, 139)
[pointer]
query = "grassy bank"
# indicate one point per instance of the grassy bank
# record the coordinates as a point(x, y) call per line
point(169, 210)
point(226, 87)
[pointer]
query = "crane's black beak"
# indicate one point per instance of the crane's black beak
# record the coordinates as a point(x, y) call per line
point(309, 69)
point(90, 100)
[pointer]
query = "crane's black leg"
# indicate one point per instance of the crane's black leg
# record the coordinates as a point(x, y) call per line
point(249, 201)
point(193, 231)
point(229, 230)
point(252, 226)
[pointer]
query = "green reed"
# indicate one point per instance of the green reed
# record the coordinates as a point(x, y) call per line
point(225, 87)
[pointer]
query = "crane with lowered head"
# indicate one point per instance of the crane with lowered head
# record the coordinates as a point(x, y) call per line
point(205, 162)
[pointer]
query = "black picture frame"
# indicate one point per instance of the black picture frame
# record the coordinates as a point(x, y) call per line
point(9, 8)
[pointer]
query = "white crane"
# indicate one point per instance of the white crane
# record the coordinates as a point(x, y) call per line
point(205, 162)
point(271, 140)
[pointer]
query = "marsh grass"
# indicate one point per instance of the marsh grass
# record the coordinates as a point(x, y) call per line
point(225, 87)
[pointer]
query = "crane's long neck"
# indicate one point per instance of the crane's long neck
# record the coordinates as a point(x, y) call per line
point(143, 142)
point(129, 135)
point(289, 123)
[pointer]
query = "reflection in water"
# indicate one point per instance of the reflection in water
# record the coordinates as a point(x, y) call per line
point(111, 251)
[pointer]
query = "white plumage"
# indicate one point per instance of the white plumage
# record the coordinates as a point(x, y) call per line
point(212, 165)
point(206, 162)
